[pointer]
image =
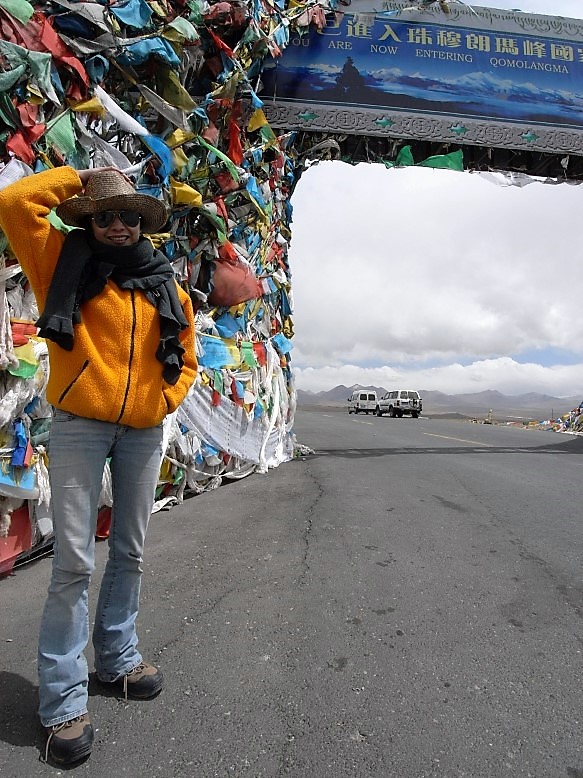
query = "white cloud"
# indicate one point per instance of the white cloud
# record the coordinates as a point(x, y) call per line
point(503, 374)
point(419, 266)
point(426, 262)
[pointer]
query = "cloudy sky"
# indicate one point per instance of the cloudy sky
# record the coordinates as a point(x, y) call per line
point(438, 280)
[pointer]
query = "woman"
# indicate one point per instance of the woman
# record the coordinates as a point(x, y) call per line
point(120, 335)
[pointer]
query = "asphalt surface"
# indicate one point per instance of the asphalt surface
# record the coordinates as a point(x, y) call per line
point(404, 603)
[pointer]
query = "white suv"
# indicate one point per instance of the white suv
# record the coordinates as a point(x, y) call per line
point(400, 402)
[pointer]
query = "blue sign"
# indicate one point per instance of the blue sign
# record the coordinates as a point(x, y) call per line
point(384, 66)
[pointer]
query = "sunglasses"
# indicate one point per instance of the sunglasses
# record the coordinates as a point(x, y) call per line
point(105, 218)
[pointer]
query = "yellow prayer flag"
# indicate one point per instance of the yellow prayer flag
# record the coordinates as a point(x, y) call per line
point(234, 352)
point(26, 353)
point(35, 96)
point(178, 137)
point(180, 159)
point(256, 121)
point(92, 105)
point(183, 194)
point(174, 93)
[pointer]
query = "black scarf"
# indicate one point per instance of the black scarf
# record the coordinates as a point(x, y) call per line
point(82, 270)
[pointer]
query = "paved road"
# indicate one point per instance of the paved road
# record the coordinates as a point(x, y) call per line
point(405, 603)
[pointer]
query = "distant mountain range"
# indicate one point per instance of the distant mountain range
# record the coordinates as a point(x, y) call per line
point(477, 405)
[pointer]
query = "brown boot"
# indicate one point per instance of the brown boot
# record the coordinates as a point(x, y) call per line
point(70, 741)
point(142, 683)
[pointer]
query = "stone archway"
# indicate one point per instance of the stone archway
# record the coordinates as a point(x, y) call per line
point(179, 105)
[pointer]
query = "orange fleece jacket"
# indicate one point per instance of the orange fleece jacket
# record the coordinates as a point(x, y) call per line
point(112, 373)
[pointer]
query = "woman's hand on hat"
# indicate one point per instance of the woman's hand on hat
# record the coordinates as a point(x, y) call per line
point(85, 175)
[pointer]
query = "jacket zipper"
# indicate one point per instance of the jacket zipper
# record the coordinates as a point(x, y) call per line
point(74, 381)
point(127, 391)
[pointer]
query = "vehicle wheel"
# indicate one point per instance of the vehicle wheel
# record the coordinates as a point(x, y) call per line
point(379, 412)
point(415, 415)
point(392, 412)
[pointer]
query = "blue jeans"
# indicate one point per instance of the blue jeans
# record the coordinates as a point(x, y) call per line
point(78, 449)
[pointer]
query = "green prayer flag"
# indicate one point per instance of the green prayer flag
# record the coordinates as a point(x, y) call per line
point(23, 369)
point(248, 354)
point(405, 157)
point(231, 167)
point(197, 11)
point(8, 112)
point(266, 133)
point(217, 221)
point(19, 9)
point(9, 77)
point(453, 161)
point(58, 223)
point(61, 135)
point(38, 63)
point(218, 381)
point(184, 28)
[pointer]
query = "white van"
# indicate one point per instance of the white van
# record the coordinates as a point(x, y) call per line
point(362, 401)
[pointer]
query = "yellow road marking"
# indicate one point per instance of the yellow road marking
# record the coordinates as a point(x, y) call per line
point(460, 440)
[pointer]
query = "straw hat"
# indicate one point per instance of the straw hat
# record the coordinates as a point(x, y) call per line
point(109, 190)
